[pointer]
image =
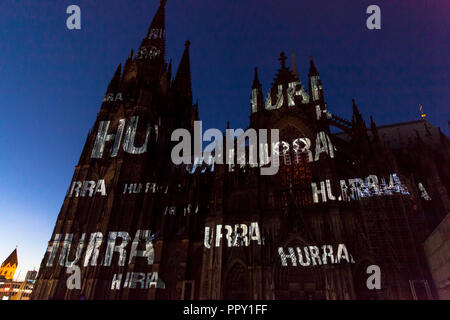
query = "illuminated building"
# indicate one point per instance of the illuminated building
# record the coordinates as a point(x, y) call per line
point(136, 226)
point(9, 266)
point(15, 290)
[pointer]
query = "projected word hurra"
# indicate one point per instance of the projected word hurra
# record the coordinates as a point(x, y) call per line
point(148, 53)
point(149, 187)
point(358, 188)
point(156, 34)
point(303, 145)
point(293, 89)
point(240, 235)
point(313, 256)
point(213, 152)
point(152, 51)
point(88, 187)
point(130, 134)
point(133, 279)
point(111, 97)
point(92, 253)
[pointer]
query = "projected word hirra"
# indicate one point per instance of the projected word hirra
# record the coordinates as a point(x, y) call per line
point(358, 188)
point(116, 242)
point(116, 138)
point(312, 255)
point(240, 235)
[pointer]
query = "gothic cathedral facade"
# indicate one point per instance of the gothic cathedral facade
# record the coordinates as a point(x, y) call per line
point(136, 226)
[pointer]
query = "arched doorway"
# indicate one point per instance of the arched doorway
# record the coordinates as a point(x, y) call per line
point(298, 282)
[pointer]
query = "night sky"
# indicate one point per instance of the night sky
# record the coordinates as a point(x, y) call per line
point(52, 80)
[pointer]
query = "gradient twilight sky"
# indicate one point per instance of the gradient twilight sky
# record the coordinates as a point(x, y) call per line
point(52, 80)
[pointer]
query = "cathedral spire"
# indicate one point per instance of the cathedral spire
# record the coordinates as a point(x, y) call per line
point(315, 84)
point(357, 118)
point(128, 63)
point(115, 81)
point(182, 82)
point(312, 67)
point(374, 129)
point(154, 44)
point(256, 83)
point(112, 89)
point(355, 109)
point(129, 59)
point(358, 122)
point(130, 56)
point(12, 259)
point(282, 59)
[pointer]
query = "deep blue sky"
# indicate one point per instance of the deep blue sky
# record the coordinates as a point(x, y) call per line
point(52, 80)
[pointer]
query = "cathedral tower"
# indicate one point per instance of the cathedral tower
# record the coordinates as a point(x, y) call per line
point(123, 212)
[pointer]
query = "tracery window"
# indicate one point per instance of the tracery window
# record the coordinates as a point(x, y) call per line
point(294, 172)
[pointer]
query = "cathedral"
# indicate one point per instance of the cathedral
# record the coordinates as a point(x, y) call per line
point(347, 198)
